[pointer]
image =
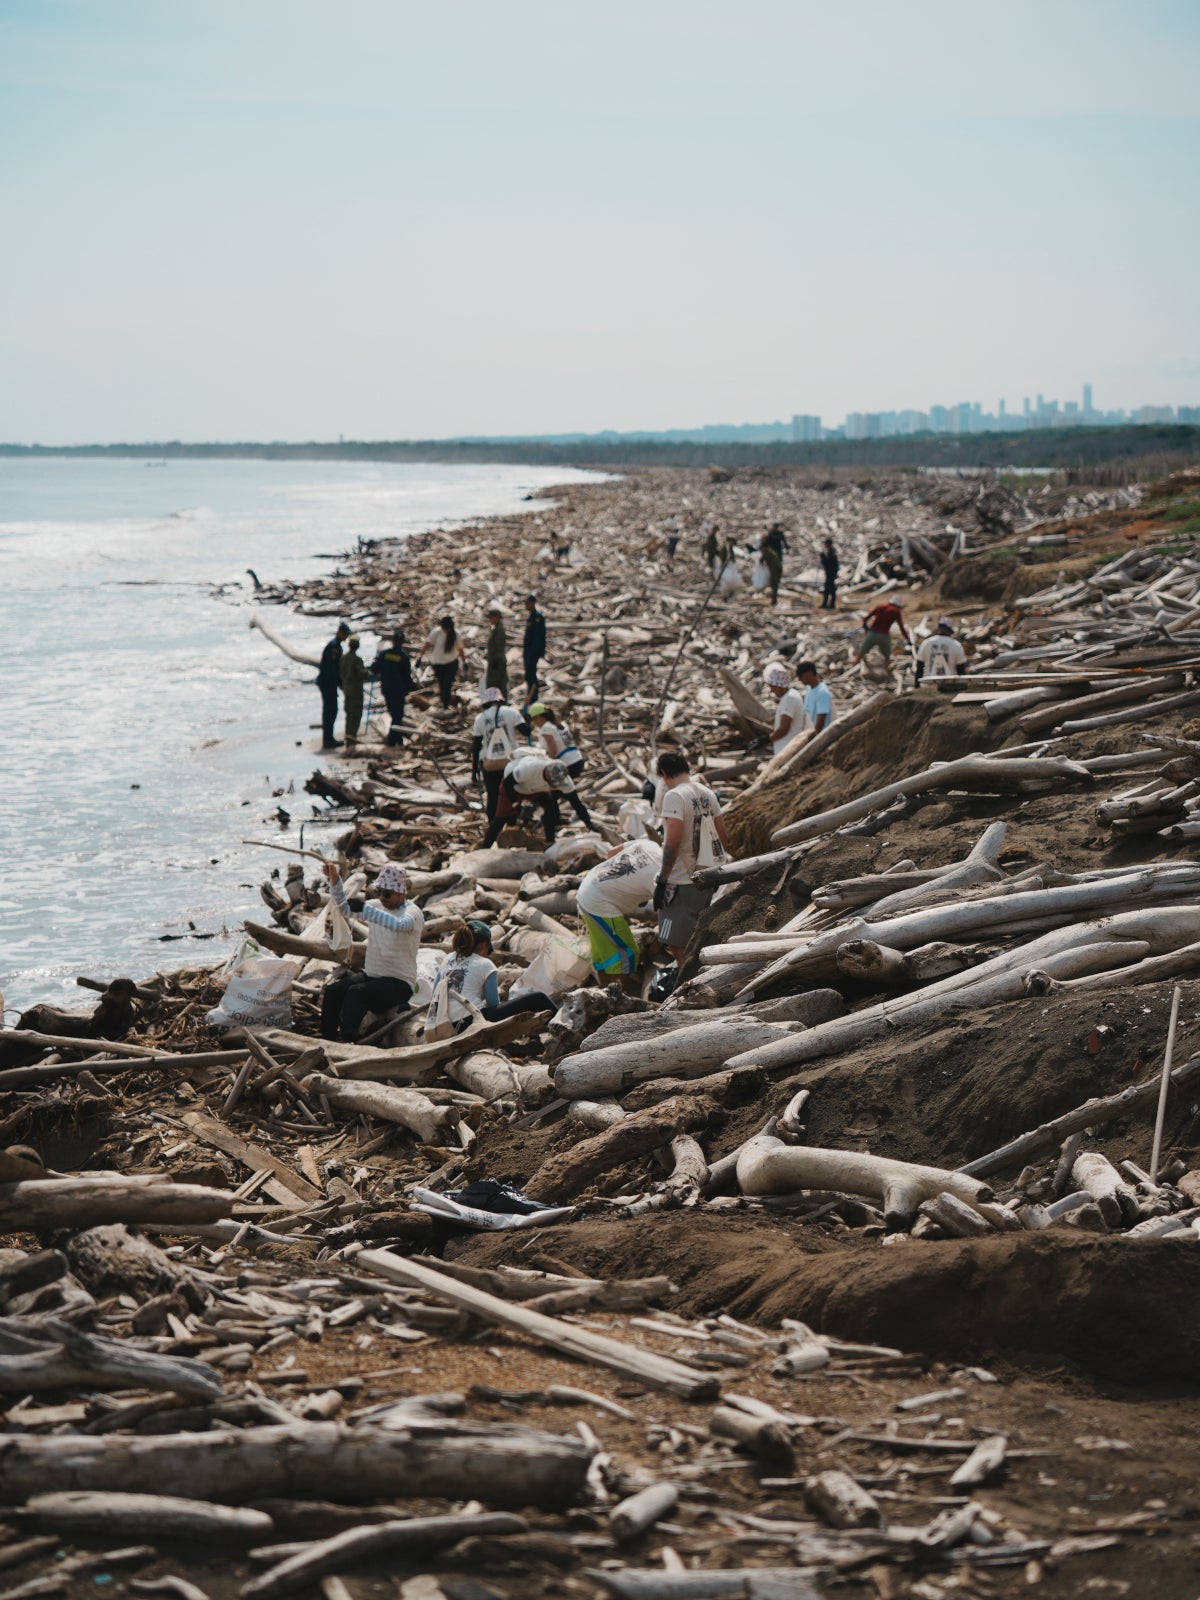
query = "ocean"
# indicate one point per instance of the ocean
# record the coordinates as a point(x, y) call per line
point(146, 729)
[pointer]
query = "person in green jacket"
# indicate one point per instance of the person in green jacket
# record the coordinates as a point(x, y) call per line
point(497, 652)
point(355, 673)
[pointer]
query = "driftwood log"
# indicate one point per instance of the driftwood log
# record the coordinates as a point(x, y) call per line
point(146, 1516)
point(107, 1197)
point(569, 1172)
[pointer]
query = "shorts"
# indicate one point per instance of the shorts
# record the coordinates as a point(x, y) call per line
point(680, 917)
point(613, 946)
point(876, 641)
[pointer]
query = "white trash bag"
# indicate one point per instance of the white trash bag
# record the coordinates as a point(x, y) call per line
point(760, 578)
point(557, 967)
point(258, 993)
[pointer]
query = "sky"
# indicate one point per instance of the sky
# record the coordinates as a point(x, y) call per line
point(299, 219)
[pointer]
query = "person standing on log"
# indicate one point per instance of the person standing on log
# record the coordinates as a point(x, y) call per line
point(496, 674)
point(470, 973)
point(393, 668)
point(495, 737)
point(789, 707)
point(533, 646)
point(445, 653)
point(329, 681)
point(610, 891)
point(877, 629)
point(354, 675)
point(941, 655)
point(529, 776)
point(818, 697)
point(559, 744)
point(388, 977)
point(829, 566)
point(694, 836)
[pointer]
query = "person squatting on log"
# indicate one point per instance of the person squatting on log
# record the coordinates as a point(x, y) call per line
point(469, 975)
point(829, 566)
point(818, 697)
point(694, 836)
point(393, 668)
point(941, 655)
point(496, 735)
point(496, 651)
point(329, 681)
point(529, 776)
point(533, 646)
point(877, 629)
point(388, 977)
point(445, 653)
point(789, 707)
point(354, 674)
point(558, 742)
point(609, 892)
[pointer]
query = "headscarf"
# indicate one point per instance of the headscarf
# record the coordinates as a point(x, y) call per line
point(392, 879)
point(555, 775)
point(777, 677)
point(490, 696)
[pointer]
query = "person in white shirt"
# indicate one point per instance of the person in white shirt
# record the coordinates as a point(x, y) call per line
point(941, 655)
point(789, 707)
point(388, 977)
point(496, 736)
point(470, 973)
point(818, 700)
point(445, 652)
point(694, 836)
point(609, 892)
point(532, 776)
point(557, 740)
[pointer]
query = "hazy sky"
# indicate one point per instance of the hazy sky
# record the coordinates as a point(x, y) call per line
point(303, 218)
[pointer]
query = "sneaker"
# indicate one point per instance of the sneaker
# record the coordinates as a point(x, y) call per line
point(331, 744)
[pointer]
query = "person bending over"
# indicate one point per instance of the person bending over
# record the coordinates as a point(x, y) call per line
point(610, 891)
point(388, 976)
point(530, 777)
point(557, 740)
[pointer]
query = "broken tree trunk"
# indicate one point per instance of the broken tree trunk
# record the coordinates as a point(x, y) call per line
point(569, 1172)
point(59, 1356)
point(390, 1103)
point(681, 1053)
point(144, 1516)
point(109, 1197)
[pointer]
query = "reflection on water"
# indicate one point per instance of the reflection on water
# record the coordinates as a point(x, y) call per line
point(145, 727)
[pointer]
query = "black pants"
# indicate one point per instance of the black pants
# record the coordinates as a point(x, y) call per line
point(346, 1001)
point(829, 598)
point(575, 799)
point(329, 710)
point(509, 802)
point(532, 685)
point(445, 672)
point(395, 705)
point(517, 1007)
point(491, 790)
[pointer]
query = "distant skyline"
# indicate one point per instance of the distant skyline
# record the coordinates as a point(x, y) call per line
point(386, 220)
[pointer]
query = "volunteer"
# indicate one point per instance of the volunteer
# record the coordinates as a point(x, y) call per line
point(496, 651)
point(530, 776)
point(770, 557)
point(470, 974)
point(877, 629)
point(445, 653)
point(609, 892)
point(557, 741)
point(495, 738)
point(789, 707)
point(387, 978)
point(354, 674)
point(941, 655)
point(329, 681)
point(694, 836)
point(829, 566)
point(393, 668)
point(818, 698)
point(533, 645)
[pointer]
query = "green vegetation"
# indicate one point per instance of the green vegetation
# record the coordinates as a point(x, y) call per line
point(1185, 511)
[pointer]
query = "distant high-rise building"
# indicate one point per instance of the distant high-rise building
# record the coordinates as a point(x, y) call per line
point(939, 419)
point(1070, 410)
point(805, 429)
point(962, 417)
point(1000, 409)
point(1027, 407)
point(1188, 414)
point(1154, 414)
point(1087, 399)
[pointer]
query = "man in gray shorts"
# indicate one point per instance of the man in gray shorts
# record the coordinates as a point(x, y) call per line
point(693, 836)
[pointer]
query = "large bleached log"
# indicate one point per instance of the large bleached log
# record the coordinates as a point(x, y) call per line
point(411, 1537)
point(409, 1062)
point(1091, 1114)
point(681, 1053)
point(980, 774)
point(568, 1172)
point(1140, 713)
point(302, 656)
point(1123, 694)
point(87, 1201)
point(61, 1357)
point(495, 1077)
point(729, 1583)
point(1095, 1173)
point(768, 1166)
point(281, 943)
point(978, 867)
point(143, 1516)
point(502, 1466)
point(1177, 964)
point(390, 1103)
point(662, 1372)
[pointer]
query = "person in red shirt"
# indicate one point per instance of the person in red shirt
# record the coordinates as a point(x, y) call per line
point(877, 628)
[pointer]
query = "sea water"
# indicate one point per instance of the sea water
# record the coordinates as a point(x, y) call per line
point(145, 729)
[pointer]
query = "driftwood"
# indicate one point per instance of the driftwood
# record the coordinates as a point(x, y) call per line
point(569, 1172)
point(150, 1516)
point(408, 1107)
point(683, 1053)
point(107, 1197)
point(633, 1516)
point(841, 1502)
point(495, 1077)
point(643, 1365)
point(58, 1356)
point(730, 1583)
point(410, 1061)
point(508, 1467)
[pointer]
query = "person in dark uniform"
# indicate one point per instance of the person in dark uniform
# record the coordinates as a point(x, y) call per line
point(829, 566)
point(533, 646)
point(329, 681)
point(393, 668)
